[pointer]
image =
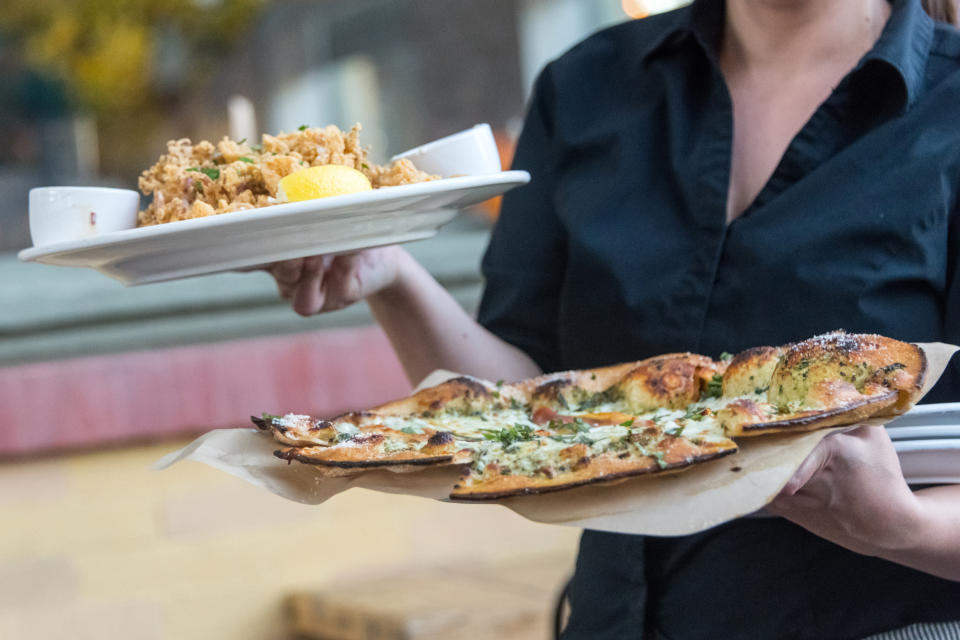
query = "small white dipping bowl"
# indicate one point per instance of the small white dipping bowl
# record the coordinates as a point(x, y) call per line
point(59, 214)
point(472, 152)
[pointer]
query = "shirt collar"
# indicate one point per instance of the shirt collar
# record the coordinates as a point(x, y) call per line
point(675, 32)
point(903, 46)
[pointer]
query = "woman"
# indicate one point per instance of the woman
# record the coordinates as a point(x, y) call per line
point(711, 179)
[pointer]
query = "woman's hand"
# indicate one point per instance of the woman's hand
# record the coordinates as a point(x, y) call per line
point(851, 491)
point(328, 283)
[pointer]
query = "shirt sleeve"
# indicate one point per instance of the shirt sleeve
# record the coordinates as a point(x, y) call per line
point(525, 260)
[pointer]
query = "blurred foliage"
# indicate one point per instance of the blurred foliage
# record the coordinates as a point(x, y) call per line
point(107, 51)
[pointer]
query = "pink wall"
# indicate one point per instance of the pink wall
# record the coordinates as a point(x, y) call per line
point(96, 400)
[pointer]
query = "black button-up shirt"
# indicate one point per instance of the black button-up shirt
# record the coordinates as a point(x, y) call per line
point(619, 249)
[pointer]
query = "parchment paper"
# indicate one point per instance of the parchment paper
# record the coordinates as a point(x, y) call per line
point(667, 504)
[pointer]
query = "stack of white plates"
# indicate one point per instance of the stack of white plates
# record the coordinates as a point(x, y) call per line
point(927, 439)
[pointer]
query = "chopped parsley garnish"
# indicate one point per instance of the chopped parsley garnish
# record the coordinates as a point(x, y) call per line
point(514, 404)
point(364, 165)
point(246, 159)
point(302, 127)
point(694, 413)
point(257, 147)
point(213, 174)
point(715, 386)
point(592, 400)
point(495, 394)
point(499, 383)
point(676, 432)
point(628, 423)
point(576, 426)
point(509, 435)
point(411, 431)
point(580, 429)
point(726, 355)
point(343, 437)
point(242, 141)
point(269, 416)
point(198, 186)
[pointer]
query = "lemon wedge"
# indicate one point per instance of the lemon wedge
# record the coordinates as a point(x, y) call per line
point(321, 182)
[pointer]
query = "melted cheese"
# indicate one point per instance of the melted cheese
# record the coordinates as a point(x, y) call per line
point(533, 456)
point(477, 433)
point(345, 429)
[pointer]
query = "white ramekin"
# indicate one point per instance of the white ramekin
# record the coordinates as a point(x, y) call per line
point(60, 214)
point(471, 152)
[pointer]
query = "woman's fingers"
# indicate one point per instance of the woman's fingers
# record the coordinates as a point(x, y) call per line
point(287, 272)
point(328, 283)
point(309, 294)
point(344, 283)
point(286, 291)
point(817, 460)
point(308, 297)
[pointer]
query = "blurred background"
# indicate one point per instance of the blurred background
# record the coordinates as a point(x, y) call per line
point(97, 381)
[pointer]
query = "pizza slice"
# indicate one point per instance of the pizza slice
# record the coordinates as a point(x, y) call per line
point(830, 380)
point(384, 448)
point(464, 404)
point(425, 429)
point(586, 450)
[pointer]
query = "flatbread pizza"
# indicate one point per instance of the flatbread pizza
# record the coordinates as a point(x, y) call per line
point(658, 415)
